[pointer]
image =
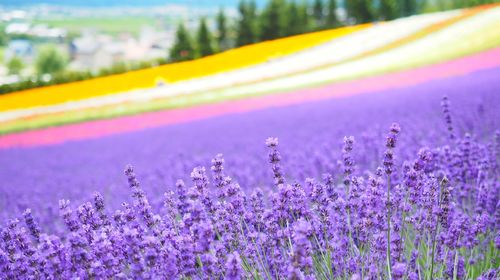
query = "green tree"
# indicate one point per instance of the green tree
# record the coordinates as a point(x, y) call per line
point(438, 6)
point(472, 3)
point(15, 65)
point(305, 18)
point(331, 15)
point(246, 27)
point(204, 37)
point(360, 10)
point(183, 47)
point(318, 12)
point(294, 25)
point(3, 38)
point(425, 6)
point(50, 61)
point(388, 9)
point(222, 36)
point(458, 4)
point(408, 7)
point(273, 20)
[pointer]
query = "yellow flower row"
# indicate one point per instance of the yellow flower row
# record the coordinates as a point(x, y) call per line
point(146, 78)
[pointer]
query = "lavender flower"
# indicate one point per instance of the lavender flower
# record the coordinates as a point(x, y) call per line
point(445, 104)
point(220, 179)
point(347, 159)
point(233, 267)
point(33, 227)
point(275, 159)
point(99, 207)
point(141, 202)
point(445, 203)
point(67, 215)
point(301, 259)
point(390, 145)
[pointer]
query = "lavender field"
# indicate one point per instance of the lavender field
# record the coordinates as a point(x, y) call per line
point(400, 184)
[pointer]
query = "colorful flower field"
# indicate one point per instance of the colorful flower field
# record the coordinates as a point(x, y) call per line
point(367, 154)
point(352, 53)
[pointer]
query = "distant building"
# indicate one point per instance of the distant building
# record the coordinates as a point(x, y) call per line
point(83, 53)
point(13, 15)
point(43, 31)
point(94, 51)
point(39, 30)
point(17, 28)
point(21, 48)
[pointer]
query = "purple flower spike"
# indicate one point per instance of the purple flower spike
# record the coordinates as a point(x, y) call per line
point(275, 159)
point(33, 227)
point(234, 270)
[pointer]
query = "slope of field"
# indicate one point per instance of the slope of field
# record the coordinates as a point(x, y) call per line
point(343, 49)
point(344, 55)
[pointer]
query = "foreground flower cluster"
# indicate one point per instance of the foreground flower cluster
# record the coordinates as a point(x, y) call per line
point(433, 217)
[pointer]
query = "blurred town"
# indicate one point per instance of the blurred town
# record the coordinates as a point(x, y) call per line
point(86, 38)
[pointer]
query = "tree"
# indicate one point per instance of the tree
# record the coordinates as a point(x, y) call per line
point(3, 38)
point(50, 61)
point(246, 28)
point(318, 12)
point(273, 21)
point(204, 39)
point(388, 9)
point(183, 47)
point(408, 7)
point(459, 4)
point(15, 65)
point(423, 6)
point(305, 17)
point(222, 39)
point(331, 15)
point(294, 24)
point(360, 10)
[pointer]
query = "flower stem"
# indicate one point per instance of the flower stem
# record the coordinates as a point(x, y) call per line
point(389, 272)
point(433, 249)
point(455, 266)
